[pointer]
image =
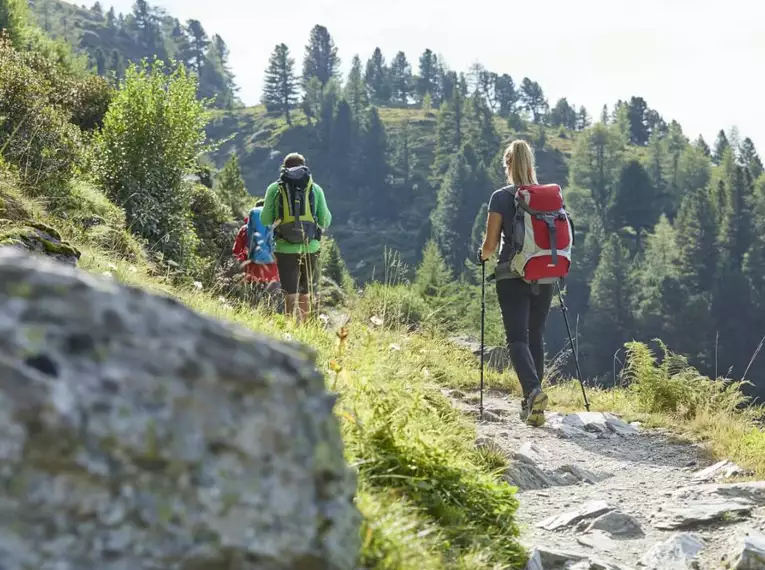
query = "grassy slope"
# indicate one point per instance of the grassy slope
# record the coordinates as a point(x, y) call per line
point(261, 139)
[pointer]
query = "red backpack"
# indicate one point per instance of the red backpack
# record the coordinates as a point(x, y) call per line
point(543, 234)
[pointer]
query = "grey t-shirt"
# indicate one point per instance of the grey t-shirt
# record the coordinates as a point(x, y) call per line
point(503, 202)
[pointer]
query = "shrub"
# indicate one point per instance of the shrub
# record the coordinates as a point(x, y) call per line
point(676, 387)
point(396, 305)
point(152, 135)
point(35, 132)
point(209, 213)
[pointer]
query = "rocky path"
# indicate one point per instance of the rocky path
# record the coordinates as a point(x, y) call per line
point(598, 493)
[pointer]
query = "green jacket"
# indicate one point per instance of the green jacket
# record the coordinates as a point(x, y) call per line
point(269, 213)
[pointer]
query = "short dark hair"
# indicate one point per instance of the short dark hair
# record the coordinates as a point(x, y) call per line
point(260, 203)
point(294, 159)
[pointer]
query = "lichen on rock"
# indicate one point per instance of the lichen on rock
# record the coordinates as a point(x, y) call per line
point(39, 238)
point(139, 434)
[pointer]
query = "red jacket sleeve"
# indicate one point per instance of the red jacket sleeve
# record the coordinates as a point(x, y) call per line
point(240, 244)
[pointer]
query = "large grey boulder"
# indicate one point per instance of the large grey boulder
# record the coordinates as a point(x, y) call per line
point(137, 434)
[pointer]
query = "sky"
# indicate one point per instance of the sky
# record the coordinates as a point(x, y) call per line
point(694, 61)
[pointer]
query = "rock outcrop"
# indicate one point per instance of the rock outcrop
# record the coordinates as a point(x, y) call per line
point(140, 435)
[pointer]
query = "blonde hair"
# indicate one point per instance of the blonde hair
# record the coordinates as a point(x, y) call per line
point(519, 164)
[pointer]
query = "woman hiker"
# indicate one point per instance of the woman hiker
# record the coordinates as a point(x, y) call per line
point(524, 307)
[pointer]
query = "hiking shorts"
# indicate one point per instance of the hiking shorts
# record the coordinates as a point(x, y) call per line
point(297, 272)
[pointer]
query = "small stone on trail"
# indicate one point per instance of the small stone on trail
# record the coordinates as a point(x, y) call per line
point(750, 553)
point(678, 517)
point(723, 469)
point(617, 524)
point(589, 510)
point(673, 554)
point(490, 417)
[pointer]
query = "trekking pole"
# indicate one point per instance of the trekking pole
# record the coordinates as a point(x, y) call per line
point(483, 319)
point(573, 349)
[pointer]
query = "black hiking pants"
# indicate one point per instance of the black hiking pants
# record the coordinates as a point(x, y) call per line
point(524, 313)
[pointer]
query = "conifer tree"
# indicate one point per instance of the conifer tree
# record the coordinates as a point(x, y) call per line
point(507, 95)
point(321, 59)
point(280, 89)
point(702, 145)
point(402, 84)
point(609, 323)
point(721, 145)
point(596, 165)
point(428, 78)
point(374, 152)
point(534, 99)
point(696, 230)
point(355, 89)
point(653, 276)
point(377, 79)
point(735, 229)
point(433, 277)
point(198, 44)
point(332, 263)
point(481, 131)
point(447, 214)
point(635, 203)
point(751, 159)
point(450, 130)
point(229, 185)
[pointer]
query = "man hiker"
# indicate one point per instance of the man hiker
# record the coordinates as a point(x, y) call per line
point(295, 205)
point(253, 247)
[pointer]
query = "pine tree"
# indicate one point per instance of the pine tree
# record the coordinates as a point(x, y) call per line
point(428, 78)
point(637, 110)
point(115, 65)
point(735, 228)
point(702, 145)
point(596, 165)
point(507, 96)
point(377, 79)
point(229, 185)
point(482, 132)
point(198, 44)
point(604, 116)
point(696, 228)
point(754, 262)
point(582, 119)
point(321, 59)
point(332, 264)
point(97, 11)
point(374, 182)
point(449, 132)
point(111, 18)
point(563, 115)
point(534, 99)
point(99, 58)
point(609, 322)
point(447, 214)
point(721, 145)
point(635, 203)
point(280, 89)
point(654, 289)
point(355, 89)
point(401, 79)
point(751, 159)
point(433, 278)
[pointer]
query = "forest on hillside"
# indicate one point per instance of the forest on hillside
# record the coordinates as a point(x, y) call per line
point(110, 41)
point(409, 151)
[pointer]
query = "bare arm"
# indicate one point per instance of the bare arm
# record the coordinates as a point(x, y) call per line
point(493, 234)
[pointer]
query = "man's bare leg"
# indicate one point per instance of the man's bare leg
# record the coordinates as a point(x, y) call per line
point(305, 307)
point(291, 303)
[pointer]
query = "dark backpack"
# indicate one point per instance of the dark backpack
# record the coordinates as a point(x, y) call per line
point(296, 206)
